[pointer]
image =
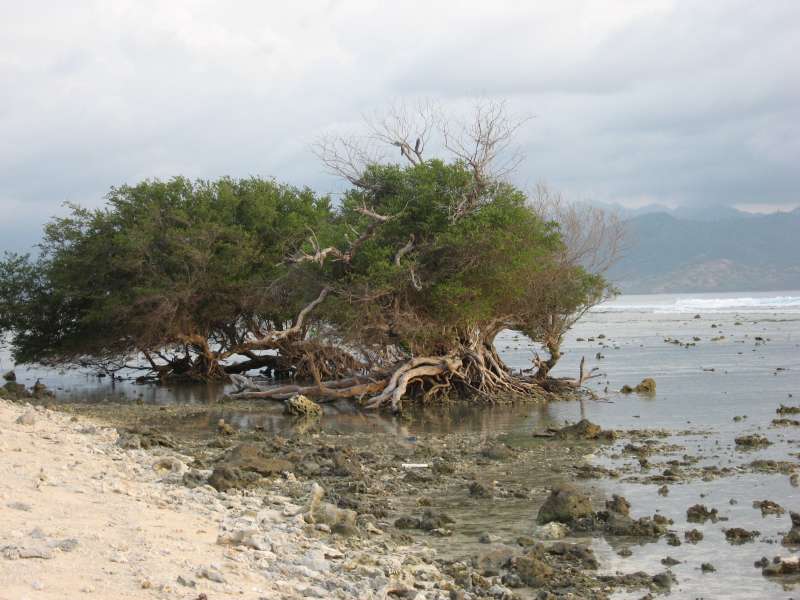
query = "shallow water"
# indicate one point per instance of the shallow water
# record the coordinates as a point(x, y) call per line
point(700, 389)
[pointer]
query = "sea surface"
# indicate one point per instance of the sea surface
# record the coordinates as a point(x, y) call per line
point(714, 357)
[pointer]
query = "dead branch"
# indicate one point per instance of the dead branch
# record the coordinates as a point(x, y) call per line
point(593, 238)
point(482, 140)
point(273, 339)
point(409, 246)
point(584, 375)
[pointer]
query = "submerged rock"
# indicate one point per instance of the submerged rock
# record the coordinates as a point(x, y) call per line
point(752, 441)
point(564, 504)
point(645, 386)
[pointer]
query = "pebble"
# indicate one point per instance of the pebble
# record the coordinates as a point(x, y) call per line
point(211, 574)
point(27, 418)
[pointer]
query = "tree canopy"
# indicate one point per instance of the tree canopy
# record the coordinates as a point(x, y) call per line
point(397, 290)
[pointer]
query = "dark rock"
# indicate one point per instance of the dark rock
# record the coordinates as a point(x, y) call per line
point(532, 570)
point(479, 489)
point(564, 504)
point(785, 423)
point(250, 458)
point(193, 478)
point(583, 430)
point(224, 478)
point(10, 375)
point(700, 514)
point(492, 561)
point(708, 568)
point(15, 391)
point(663, 581)
point(442, 467)
point(431, 520)
point(497, 451)
point(793, 537)
point(346, 464)
point(752, 441)
point(768, 507)
point(785, 566)
point(669, 561)
point(407, 522)
point(737, 535)
point(619, 505)
point(693, 536)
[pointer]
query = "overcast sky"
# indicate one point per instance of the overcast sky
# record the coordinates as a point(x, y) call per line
point(634, 102)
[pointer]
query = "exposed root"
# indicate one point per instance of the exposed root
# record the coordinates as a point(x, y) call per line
point(478, 373)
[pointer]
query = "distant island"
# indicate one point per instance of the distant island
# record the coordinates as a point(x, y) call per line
point(709, 250)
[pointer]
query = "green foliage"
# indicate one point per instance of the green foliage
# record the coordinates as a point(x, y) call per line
point(479, 271)
point(168, 261)
point(161, 261)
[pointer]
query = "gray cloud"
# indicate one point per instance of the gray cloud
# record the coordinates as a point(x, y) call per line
point(672, 102)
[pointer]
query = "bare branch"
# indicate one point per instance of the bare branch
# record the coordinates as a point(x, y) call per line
point(483, 139)
point(404, 250)
point(407, 128)
point(593, 238)
point(274, 338)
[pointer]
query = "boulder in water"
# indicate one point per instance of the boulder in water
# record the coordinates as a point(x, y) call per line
point(564, 504)
point(302, 406)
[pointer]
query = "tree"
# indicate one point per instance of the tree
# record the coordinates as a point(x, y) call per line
point(398, 292)
point(443, 255)
point(183, 273)
point(593, 241)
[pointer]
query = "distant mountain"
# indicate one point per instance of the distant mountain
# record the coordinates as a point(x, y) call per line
point(698, 251)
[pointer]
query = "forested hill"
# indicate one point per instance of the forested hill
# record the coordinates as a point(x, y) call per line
point(735, 252)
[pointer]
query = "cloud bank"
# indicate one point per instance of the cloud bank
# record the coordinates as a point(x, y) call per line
point(667, 102)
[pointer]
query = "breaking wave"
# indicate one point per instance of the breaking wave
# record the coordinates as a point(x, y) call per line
point(678, 305)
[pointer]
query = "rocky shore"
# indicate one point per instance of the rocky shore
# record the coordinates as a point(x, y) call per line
point(131, 501)
point(86, 516)
point(93, 511)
